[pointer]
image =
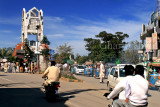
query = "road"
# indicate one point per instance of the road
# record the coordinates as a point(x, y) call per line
point(23, 90)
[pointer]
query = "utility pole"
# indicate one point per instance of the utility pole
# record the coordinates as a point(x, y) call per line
point(37, 27)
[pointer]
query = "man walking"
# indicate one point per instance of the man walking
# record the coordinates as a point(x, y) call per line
point(13, 67)
point(6, 67)
point(102, 71)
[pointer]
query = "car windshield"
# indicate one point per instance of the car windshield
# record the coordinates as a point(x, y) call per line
point(121, 72)
point(80, 67)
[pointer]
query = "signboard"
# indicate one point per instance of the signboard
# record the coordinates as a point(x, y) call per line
point(148, 44)
point(154, 41)
point(51, 52)
point(51, 57)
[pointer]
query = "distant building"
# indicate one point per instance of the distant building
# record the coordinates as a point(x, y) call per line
point(150, 37)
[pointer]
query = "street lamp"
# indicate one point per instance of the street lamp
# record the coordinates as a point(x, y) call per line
point(37, 27)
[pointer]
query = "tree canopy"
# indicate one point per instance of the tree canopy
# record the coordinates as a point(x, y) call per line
point(6, 52)
point(106, 46)
point(130, 55)
point(81, 59)
point(63, 53)
point(45, 40)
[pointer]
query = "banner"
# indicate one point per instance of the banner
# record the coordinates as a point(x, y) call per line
point(154, 41)
point(148, 44)
point(51, 52)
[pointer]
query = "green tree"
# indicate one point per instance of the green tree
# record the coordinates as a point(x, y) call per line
point(81, 59)
point(29, 54)
point(106, 46)
point(77, 58)
point(45, 40)
point(130, 55)
point(6, 52)
point(64, 51)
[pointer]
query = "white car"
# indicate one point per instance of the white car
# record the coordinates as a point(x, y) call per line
point(116, 74)
point(79, 69)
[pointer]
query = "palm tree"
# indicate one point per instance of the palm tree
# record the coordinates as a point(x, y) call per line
point(6, 52)
point(3, 53)
point(45, 40)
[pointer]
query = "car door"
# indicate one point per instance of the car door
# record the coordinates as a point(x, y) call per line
point(115, 76)
point(110, 78)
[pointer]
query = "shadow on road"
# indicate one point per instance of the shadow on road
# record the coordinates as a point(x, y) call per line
point(77, 91)
point(3, 75)
point(8, 85)
point(33, 97)
point(27, 97)
point(156, 88)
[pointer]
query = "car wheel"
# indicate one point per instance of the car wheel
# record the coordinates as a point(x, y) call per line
point(109, 86)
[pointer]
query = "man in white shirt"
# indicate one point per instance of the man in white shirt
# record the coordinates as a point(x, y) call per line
point(102, 71)
point(137, 89)
point(120, 88)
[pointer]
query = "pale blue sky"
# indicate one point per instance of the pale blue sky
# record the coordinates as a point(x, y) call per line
point(73, 20)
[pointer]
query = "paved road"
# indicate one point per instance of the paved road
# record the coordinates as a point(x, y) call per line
point(23, 90)
point(153, 94)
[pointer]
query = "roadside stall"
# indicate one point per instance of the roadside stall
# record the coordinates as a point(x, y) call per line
point(73, 68)
point(108, 67)
point(88, 69)
point(153, 73)
point(97, 70)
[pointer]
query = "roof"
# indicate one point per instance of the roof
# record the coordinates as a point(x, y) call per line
point(18, 47)
point(44, 46)
point(88, 63)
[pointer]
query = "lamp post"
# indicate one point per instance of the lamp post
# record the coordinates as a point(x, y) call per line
point(37, 27)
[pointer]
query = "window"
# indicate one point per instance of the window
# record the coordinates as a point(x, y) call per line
point(152, 17)
point(80, 67)
point(112, 71)
point(34, 13)
point(122, 72)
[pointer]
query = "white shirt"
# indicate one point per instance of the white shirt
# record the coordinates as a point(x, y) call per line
point(102, 70)
point(138, 90)
point(120, 89)
point(65, 65)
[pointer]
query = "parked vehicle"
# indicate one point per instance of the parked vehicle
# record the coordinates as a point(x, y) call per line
point(79, 69)
point(116, 74)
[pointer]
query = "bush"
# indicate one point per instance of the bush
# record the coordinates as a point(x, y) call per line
point(68, 75)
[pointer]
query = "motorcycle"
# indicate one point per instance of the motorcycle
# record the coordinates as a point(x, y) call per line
point(106, 94)
point(51, 90)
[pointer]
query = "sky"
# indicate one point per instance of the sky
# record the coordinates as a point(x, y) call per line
point(70, 21)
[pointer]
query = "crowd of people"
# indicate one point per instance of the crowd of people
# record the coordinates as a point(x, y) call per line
point(18, 67)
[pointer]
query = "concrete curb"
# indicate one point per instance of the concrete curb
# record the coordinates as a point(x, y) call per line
point(70, 80)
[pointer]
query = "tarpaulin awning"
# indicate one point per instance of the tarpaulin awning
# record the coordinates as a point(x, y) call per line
point(70, 61)
point(88, 63)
